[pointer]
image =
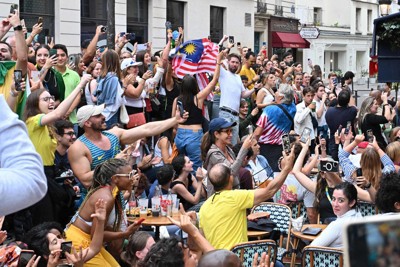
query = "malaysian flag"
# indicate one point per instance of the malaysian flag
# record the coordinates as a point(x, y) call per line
point(196, 56)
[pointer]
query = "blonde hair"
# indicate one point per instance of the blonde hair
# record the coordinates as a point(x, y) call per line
point(371, 166)
point(393, 151)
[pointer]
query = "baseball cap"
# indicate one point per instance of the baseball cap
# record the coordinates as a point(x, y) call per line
point(129, 62)
point(85, 112)
point(219, 123)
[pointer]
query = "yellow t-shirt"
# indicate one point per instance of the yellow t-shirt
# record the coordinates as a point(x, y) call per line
point(223, 217)
point(6, 86)
point(40, 136)
point(249, 73)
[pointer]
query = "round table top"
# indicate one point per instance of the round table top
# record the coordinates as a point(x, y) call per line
point(302, 236)
point(153, 221)
point(256, 234)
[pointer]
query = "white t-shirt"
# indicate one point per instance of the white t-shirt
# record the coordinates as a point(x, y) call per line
point(321, 121)
point(231, 89)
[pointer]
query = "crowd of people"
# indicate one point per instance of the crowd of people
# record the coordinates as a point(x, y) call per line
point(83, 134)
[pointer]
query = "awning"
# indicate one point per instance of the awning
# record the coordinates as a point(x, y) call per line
point(291, 40)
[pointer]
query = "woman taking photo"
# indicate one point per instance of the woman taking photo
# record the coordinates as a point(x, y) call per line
point(323, 188)
point(109, 179)
point(344, 203)
point(372, 160)
point(184, 184)
point(215, 148)
point(40, 113)
point(189, 134)
point(52, 80)
point(368, 119)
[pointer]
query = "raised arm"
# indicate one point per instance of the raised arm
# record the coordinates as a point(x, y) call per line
point(64, 106)
point(309, 184)
point(91, 49)
point(36, 29)
point(99, 218)
point(20, 44)
point(262, 194)
point(206, 91)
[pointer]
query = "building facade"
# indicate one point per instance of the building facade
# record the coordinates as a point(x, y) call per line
point(73, 21)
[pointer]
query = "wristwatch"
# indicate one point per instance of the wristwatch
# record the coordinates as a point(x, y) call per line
point(368, 186)
point(18, 28)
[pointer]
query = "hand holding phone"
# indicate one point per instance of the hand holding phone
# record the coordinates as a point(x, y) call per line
point(25, 257)
point(65, 247)
point(40, 20)
point(286, 143)
point(180, 107)
point(305, 135)
point(18, 80)
point(370, 136)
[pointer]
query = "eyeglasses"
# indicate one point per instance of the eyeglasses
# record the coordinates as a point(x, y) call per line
point(70, 134)
point(47, 98)
point(227, 131)
point(129, 175)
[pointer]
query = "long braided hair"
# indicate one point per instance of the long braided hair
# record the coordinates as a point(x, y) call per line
point(102, 177)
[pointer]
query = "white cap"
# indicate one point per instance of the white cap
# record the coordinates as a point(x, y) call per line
point(129, 62)
point(85, 112)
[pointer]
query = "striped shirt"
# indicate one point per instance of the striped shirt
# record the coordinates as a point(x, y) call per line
point(99, 155)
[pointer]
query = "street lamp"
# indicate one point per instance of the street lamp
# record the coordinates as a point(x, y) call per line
point(384, 6)
point(331, 65)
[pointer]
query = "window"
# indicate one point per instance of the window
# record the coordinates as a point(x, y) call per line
point(216, 23)
point(31, 10)
point(358, 17)
point(137, 19)
point(175, 14)
point(317, 16)
point(247, 19)
point(369, 20)
point(93, 13)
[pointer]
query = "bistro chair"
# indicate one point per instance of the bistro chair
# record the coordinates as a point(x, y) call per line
point(246, 251)
point(315, 256)
point(281, 215)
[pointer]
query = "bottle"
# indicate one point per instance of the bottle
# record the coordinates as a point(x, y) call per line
point(132, 204)
point(169, 203)
point(156, 200)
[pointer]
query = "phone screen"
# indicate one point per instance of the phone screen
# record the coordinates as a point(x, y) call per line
point(305, 135)
point(18, 79)
point(231, 39)
point(65, 247)
point(370, 136)
point(24, 257)
point(40, 20)
point(286, 143)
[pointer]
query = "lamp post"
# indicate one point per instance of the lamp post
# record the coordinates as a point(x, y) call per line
point(384, 6)
point(331, 65)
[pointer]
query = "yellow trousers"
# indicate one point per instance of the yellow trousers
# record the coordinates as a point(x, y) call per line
point(82, 239)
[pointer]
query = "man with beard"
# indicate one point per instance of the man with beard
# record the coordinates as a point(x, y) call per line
point(97, 145)
point(232, 91)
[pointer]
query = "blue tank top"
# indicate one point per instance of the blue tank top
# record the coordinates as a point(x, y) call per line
point(100, 155)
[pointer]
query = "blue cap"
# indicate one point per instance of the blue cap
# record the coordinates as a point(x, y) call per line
point(220, 123)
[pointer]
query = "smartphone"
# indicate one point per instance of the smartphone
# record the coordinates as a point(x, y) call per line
point(18, 79)
point(65, 247)
point(359, 172)
point(39, 20)
point(335, 81)
point(35, 75)
point(370, 136)
point(180, 106)
point(60, 180)
point(49, 38)
point(339, 130)
point(231, 39)
point(238, 43)
point(371, 241)
point(13, 8)
point(141, 47)
point(103, 29)
point(305, 135)
point(139, 222)
point(348, 127)
point(250, 129)
point(130, 36)
point(71, 60)
point(52, 52)
point(286, 143)
point(23, 23)
point(24, 257)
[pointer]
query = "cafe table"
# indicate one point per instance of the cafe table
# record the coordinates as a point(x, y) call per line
point(154, 221)
point(298, 235)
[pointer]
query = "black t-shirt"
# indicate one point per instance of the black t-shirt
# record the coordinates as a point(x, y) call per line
point(336, 116)
point(325, 206)
point(372, 122)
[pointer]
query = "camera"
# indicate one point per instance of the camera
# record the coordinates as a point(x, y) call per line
point(329, 166)
point(130, 36)
point(103, 29)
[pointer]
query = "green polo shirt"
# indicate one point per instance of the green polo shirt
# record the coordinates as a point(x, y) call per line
point(71, 81)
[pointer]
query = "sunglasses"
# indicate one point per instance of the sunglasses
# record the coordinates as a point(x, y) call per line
point(228, 131)
point(129, 175)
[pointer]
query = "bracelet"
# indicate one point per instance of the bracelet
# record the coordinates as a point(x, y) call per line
point(368, 186)
point(13, 94)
